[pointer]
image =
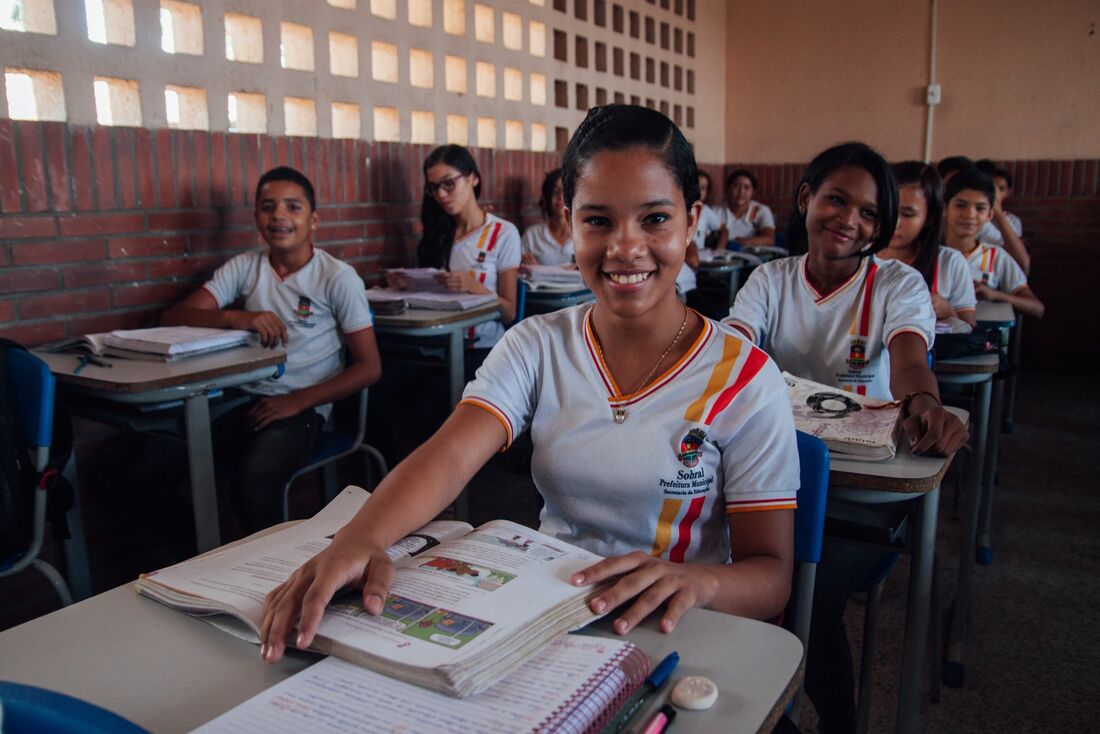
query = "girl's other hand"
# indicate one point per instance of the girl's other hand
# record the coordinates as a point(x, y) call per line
point(397, 281)
point(943, 307)
point(529, 259)
point(456, 282)
point(933, 430)
point(650, 582)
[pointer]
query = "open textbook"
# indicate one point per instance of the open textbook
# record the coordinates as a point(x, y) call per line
point(466, 606)
point(159, 344)
point(575, 684)
point(852, 426)
point(441, 300)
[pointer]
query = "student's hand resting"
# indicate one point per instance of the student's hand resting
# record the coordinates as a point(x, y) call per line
point(397, 281)
point(529, 259)
point(651, 582)
point(932, 429)
point(985, 293)
point(942, 307)
point(301, 600)
point(458, 282)
point(270, 327)
point(270, 409)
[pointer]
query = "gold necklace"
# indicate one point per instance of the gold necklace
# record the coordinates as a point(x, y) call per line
point(618, 409)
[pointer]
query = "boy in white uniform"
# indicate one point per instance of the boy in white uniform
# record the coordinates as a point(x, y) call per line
point(1004, 228)
point(300, 297)
point(746, 222)
point(721, 413)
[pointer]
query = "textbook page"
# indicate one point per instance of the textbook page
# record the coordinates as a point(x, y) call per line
point(454, 602)
point(337, 697)
point(239, 578)
point(178, 340)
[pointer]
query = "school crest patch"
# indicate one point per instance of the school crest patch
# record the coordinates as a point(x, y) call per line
point(690, 446)
point(305, 308)
point(857, 354)
point(481, 257)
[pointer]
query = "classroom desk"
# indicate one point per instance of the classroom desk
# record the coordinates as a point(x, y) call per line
point(995, 313)
point(131, 382)
point(547, 300)
point(905, 477)
point(168, 672)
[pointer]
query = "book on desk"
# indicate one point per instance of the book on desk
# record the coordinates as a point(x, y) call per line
point(159, 344)
point(466, 606)
point(389, 302)
point(852, 426)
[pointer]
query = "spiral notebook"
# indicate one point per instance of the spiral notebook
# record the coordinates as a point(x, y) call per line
point(540, 696)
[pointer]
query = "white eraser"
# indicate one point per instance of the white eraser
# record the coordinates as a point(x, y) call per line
point(694, 692)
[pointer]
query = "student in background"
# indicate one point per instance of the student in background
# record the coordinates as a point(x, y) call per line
point(997, 277)
point(1004, 228)
point(549, 242)
point(951, 165)
point(746, 222)
point(601, 453)
point(838, 316)
point(479, 251)
point(710, 219)
point(297, 296)
point(916, 242)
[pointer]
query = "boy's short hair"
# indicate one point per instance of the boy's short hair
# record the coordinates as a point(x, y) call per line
point(953, 164)
point(986, 166)
point(1002, 173)
point(286, 173)
point(970, 179)
point(738, 174)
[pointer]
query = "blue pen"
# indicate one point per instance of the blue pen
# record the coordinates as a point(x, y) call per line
point(656, 679)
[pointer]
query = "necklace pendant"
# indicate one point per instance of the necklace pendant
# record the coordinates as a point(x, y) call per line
point(619, 414)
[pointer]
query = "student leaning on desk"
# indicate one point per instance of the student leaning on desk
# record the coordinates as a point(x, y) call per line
point(686, 478)
point(296, 296)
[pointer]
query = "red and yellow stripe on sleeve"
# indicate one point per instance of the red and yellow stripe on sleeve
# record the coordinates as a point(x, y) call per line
point(494, 411)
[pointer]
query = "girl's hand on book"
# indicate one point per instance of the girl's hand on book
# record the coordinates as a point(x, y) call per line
point(301, 599)
point(397, 281)
point(651, 582)
point(457, 282)
point(933, 430)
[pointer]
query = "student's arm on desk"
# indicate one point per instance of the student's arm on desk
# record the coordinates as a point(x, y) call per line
point(1023, 300)
point(931, 429)
point(756, 584)
point(507, 286)
point(201, 309)
point(411, 495)
point(944, 310)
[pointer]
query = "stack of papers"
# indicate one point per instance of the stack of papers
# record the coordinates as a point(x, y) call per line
point(384, 299)
point(160, 344)
point(554, 274)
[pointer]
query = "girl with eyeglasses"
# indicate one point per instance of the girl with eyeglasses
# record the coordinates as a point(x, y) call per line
point(479, 251)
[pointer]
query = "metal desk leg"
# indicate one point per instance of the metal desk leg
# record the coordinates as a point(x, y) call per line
point(983, 551)
point(1015, 349)
point(954, 669)
point(917, 612)
point(200, 457)
point(75, 549)
point(457, 365)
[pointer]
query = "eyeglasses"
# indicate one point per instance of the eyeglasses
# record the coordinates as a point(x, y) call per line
point(447, 184)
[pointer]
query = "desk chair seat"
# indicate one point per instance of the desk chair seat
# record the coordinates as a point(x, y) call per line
point(333, 445)
point(30, 393)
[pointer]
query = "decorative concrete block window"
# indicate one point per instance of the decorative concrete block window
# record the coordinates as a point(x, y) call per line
point(540, 3)
point(513, 135)
point(511, 30)
point(690, 118)
point(484, 25)
point(617, 23)
point(486, 132)
point(538, 89)
point(454, 17)
point(383, 62)
point(343, 54)
point(486, 79)
point(582, 97)
point(384, 9)
point(34, 94)
point(28, 16)
point(117, 101)
point(181, 28)
point(538, 136)
point(420, 13)
point(300, 116)
point(561, 138)
point(513, 84)
point(454, 74)
point(561, 93)
point(247, 112)
point(185, 108)
point(296, 46)
point(601, 96)
point(110, 21)
point(536, 38)
point(346, 122)
point(421, 68)
point(387, 124)
point(458, 130)
point(244, 38)
point(345, 4)
point(423, 127)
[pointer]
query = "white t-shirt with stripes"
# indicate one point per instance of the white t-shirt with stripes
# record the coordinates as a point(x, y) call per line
point(712, 435)
point(484, 253)
point(842, 338)
point(540, 242)
point(993, 266)
point(952, 280)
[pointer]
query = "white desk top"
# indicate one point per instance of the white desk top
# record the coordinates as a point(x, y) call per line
point(170, 673)
point(421, 318)
point(995, 313)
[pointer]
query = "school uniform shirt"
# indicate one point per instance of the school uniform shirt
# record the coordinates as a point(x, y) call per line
point(989, 232)
point(951, 279)
point(318, 302)
point(710, 219)
point(757, 217)
point(842, 338)
point(483, 253)
point(685, 279)
point(712, 435)
point(994, 267)
point(538, 241)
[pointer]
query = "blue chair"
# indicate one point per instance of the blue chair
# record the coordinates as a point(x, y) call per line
point(521, 304)
point(30, 392)
point(333, 445)
point(809, 529)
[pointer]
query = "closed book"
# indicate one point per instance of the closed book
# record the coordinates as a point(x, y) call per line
point(852, 426)
point(177, 341)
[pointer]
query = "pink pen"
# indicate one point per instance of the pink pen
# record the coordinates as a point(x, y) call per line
point(661, 720)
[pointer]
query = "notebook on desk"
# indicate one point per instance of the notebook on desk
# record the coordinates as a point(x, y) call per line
point(159, 344)
point(574, 685)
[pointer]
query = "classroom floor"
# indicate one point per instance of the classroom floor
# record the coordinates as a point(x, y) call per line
point(1034, 644)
